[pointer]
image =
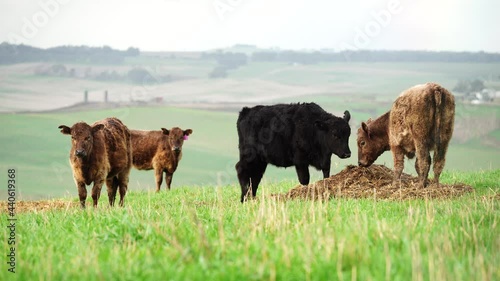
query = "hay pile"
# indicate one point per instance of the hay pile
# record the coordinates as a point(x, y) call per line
point(373, 182)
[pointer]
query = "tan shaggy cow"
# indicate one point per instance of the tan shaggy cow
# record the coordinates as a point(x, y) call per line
point(100, 153)
point(159, 150)
point(420, 120)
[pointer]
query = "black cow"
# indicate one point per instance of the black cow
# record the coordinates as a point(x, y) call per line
point(285, 135)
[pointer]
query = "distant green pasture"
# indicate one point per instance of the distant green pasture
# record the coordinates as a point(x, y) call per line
point(378, 78)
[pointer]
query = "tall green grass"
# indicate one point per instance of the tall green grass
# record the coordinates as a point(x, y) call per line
point(206, 234)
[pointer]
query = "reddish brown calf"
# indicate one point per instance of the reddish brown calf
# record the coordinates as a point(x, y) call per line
point(420, 120)
point(100, 152)
point(159, 150)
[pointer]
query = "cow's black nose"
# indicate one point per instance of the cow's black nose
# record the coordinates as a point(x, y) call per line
point(79, 153)
point(177, 148)
point(345, 155)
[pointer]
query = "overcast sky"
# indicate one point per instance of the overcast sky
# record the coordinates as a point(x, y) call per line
point(166, 25)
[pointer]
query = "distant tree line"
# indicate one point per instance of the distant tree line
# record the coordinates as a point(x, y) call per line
point(136, 75)
point(469, 86)
point(10, 54)
point(230, 60)
point(474, 91)
point(225, 61)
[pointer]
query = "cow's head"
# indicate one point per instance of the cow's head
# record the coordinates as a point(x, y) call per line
point(176, 137)
point(336, 132)
point(370, 144)
point(82, 137)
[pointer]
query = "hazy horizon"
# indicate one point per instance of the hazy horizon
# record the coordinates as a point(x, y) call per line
point(188, 25)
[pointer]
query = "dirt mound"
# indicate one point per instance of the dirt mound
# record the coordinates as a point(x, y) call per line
point(373, 182)
point(37, 206)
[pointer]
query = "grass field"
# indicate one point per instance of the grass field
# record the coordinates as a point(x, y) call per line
point(199, 230)
point(206, 234)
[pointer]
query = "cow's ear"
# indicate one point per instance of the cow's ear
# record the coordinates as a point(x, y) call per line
point(347, 116)
point(188, 132)
point(65, 129)
point(165, 131)
point(97, 128)
point(365, 128)
point(321, 125)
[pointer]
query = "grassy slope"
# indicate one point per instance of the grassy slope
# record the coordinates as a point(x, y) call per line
point(32, 144)
point(206, 234)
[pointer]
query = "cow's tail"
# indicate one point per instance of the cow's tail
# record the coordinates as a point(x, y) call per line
point(439, 94)
point(240, 123)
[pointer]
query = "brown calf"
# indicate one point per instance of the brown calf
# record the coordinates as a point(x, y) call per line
point(159, 150)
point(420, 120)
point(100, 152)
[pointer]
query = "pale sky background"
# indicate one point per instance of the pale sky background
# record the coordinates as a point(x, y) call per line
point(184, 25)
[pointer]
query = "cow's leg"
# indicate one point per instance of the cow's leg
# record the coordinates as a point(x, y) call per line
point(123, 186)
point(399, 162)
point(159, 178)
point(326, 169)
point(439, 161)
point(112, 185)
point(424, 163)
point(258, 170)
point(303, 174)
point(417, 168)
point(96, 191)
point(82, 193)
point(168, 179)
point(243, 178)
